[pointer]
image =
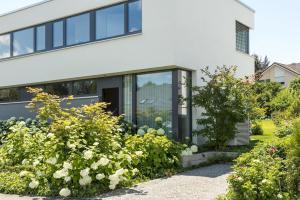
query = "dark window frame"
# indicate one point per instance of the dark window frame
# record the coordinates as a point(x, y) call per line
point(49, 30)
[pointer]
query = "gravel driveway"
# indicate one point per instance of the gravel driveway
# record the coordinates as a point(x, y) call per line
point(200, 184)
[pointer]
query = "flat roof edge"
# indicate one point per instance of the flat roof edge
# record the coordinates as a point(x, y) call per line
point(245, 5)
point(25, 8)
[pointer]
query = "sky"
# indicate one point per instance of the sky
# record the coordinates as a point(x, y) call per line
point(276, 35)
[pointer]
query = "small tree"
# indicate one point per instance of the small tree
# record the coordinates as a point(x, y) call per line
point(225, 100)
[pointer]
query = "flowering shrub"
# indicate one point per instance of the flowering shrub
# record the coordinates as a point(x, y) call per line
point(264, 173)
point(159, 156)
point(82, 151)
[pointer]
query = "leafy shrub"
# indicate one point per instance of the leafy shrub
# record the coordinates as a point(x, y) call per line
point(284, 130)
point(82, 151)
point(264, 173)
point(161, 156)
point(282, 101)
point(256, 129)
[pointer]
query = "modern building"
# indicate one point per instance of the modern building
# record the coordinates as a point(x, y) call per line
point(134, 54)
point(281, 73)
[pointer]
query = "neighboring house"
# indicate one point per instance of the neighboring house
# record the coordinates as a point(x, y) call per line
point(281, 73)
point(134, 54)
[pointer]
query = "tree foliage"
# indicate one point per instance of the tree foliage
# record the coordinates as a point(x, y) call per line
point(226, 102)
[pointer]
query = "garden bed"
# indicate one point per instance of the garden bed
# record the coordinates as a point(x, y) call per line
point(206, 157)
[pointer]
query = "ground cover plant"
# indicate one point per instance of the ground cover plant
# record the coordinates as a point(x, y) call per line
point(79, 152)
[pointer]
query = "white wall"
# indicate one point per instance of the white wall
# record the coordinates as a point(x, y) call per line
point(190, 34)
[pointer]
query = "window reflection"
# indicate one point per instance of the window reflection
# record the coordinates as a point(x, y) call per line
point(23, 42)
point(110, 22)
point(78, 29)
point(5, 46)
point(154, 99)
point(85, 87)
point(58, 34)
point(41, 38)
point(135, 16)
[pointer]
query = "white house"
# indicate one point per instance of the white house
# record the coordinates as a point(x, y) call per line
point(133, 54)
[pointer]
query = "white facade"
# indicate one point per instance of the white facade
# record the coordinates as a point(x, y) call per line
point(175, 33)
point(182, 34)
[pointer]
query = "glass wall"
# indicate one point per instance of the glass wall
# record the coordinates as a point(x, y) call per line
point(41, 38)
point(23, 42)
point(110, 22)
point(78, 29)
point(58, 34)
point(85, 87)
point(128, 96)
point(135, 16)
point(154, 101)
point(4, 46)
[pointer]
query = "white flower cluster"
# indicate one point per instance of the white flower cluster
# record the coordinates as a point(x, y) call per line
point(116, 178)
point(64, 172)
point(52, 161)
point(189, 151)
point(65, 192)
point(85, 178)
point(102, 162)
point(33, 184)
point(88, 155)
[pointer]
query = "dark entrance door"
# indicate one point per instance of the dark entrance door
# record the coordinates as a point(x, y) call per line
point(111, 91)
point(111, 96)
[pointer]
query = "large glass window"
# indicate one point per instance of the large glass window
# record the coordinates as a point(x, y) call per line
point(135, 16)
point(9, 95)
point(86, 87)
point(58, 34)
point(5, 46)
point(60, 89)
point(154, 101)
point(78, 29)
point(110, 22)
point(23, 42)
point(41, 38)
point(242, 38)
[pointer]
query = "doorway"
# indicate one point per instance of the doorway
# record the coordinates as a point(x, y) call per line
point(111, 91)
point(111, 96)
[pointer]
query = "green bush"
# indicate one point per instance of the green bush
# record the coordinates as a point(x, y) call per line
point(284, 130)
point(81, 152)
point(256, 129)
point(264, 173)
point(160, 157)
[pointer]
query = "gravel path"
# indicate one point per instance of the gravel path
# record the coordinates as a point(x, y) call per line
point(200, 184)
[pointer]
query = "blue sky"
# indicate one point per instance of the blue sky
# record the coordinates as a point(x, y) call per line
point(277, 31)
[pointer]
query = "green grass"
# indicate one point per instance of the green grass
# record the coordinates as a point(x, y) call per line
point(269, 129)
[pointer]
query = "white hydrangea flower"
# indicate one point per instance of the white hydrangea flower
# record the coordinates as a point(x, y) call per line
point(279, 196)
point(67, 127)
point(103, 161)
point(158, 119)
point(121, 171)
point(264, 181)
point(67, 165)
point(88, 155)
point(23, 173)
point(70, 145)
point(24, 162)
point(39, 173)
point(100, 177)
point(141, 132)
point(112, 187)
point(65, 192)
point(85, 172)
point(52, 161)
point(95, 165)
point(86, 180)
point(34, 184)
point(114, 179)
point(96, 144)
point(67, 179)
point(161, 131)
point(129, 159)
point(135, 171)
point(139, 153)
point(35, 163)
point(50, 135)
point(194, 148)
point(61, 173)
point(151, 130)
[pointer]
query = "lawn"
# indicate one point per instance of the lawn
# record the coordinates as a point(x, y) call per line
point(269, 128)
